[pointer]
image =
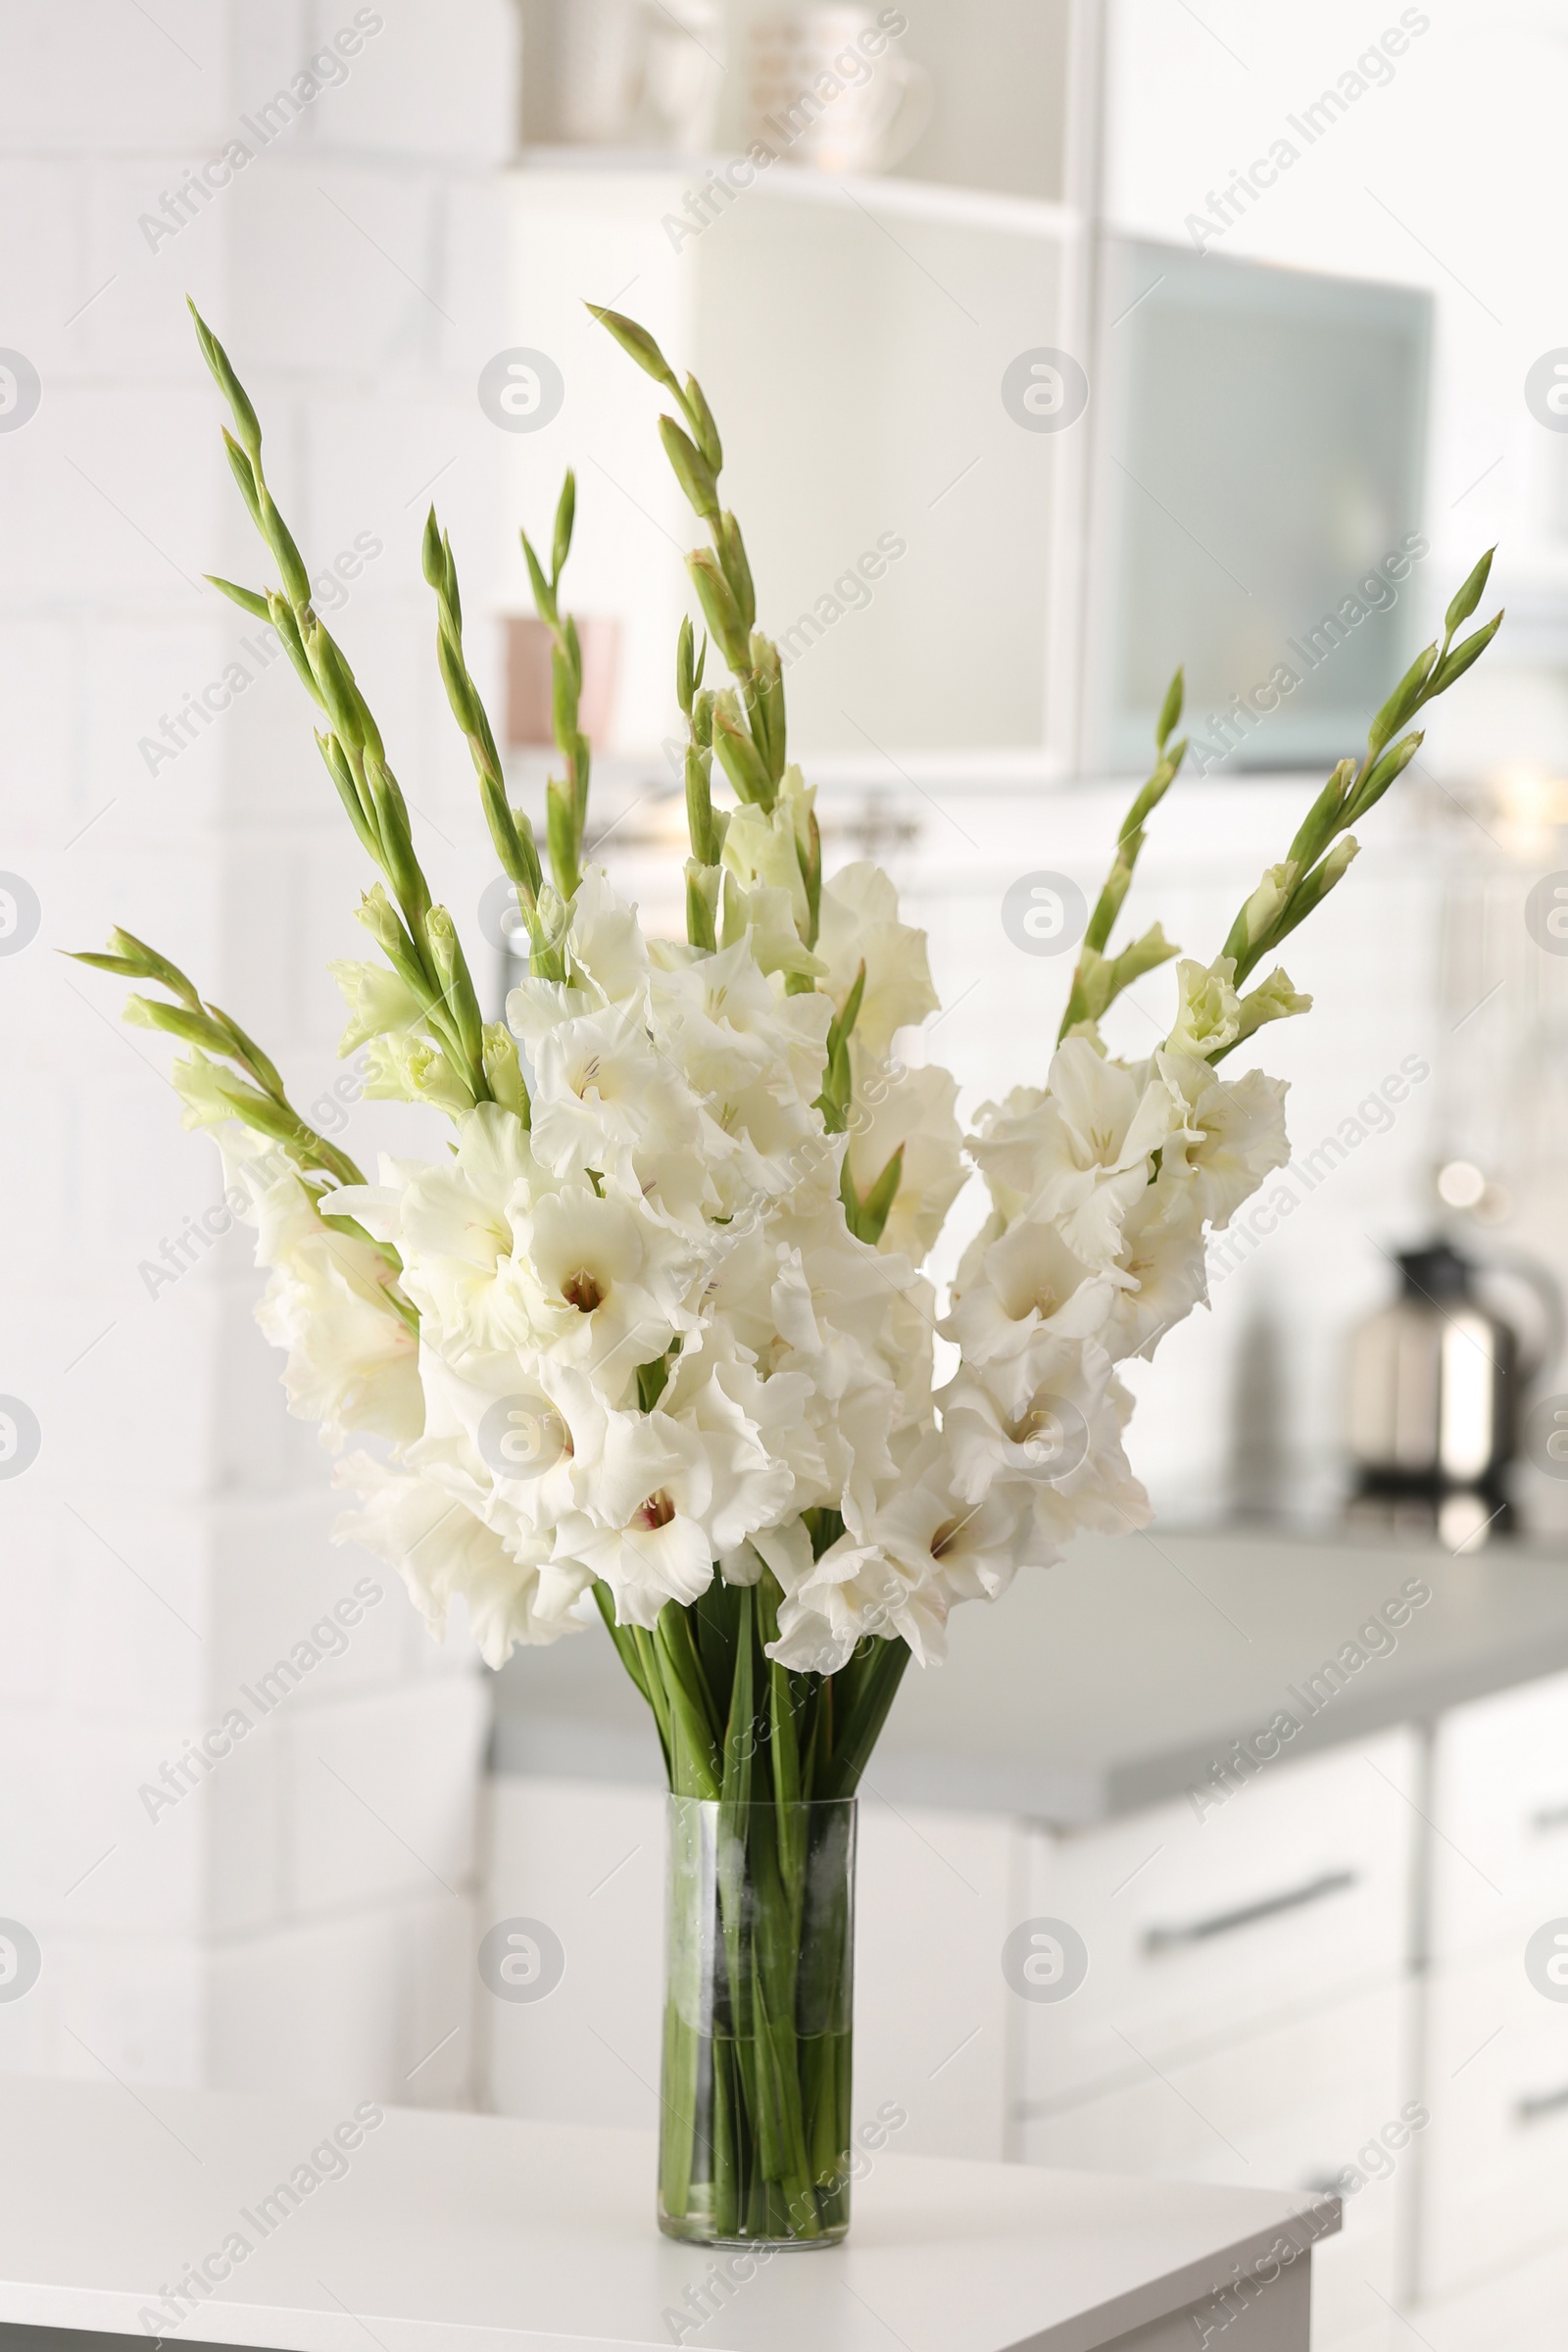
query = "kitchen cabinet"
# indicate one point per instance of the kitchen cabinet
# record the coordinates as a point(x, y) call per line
point(871, 455)
point(1200, 1927)
point(1500, 1791)
point(1291, 2105)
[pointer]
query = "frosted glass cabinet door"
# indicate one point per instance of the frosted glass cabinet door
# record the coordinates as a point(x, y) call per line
point(853, 345)
point(913, 538)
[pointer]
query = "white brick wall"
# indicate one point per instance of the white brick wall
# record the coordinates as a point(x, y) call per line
point(301, 1916)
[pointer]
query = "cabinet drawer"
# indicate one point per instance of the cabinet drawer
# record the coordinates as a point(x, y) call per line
point(1293, 1892)
point(1496, 2183)
point(1285, 2109)
point(1521, 2309)
point(1499, 1801)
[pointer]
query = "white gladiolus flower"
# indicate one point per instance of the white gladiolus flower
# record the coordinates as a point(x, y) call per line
point(856, 1590)
point(892, 1108)
point(600, 1284)
point(1025, 1283)
point(861, 925)
point(352, 1359)
point(1081, 1152)
point(377, 1002)
point(441, 1550)
point(454, 1225)
point(1051, 1439)
point(650, 1350)
point(763, 846)
point(602, 1094)
point(197, 1082)
point(403, 1068)
point(1161, 1274)
point(763, 919)
point(1208, 1011)
point(667, 1495)
point(605, 941)
point(1231, 1132)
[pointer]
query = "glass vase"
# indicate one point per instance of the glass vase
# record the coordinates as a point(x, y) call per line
point(759, 1944)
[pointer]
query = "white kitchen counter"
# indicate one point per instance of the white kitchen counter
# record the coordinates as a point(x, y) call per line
point(1108, 1683)
point(442, 2233)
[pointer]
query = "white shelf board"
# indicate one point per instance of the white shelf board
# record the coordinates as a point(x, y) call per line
point(907, 199)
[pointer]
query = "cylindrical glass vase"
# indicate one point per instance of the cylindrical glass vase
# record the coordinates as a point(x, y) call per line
point(760, 1955)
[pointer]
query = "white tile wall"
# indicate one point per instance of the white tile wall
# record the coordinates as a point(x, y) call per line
point(302, 1915)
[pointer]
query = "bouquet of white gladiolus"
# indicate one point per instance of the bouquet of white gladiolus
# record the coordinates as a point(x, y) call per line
point(651, 1343)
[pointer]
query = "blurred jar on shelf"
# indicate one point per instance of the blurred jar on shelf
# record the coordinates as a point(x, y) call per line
point(637, 74)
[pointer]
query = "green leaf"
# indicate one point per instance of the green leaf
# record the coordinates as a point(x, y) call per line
point(1382, 775)
point(703, 425)
point(291, 562)
point(544, 595)
point(241, 469)
point(228, 383)
point(1406, 698)
point(737, 570)
point(276, 1119)
point(574, 650)
point(336, 682)
point(808, 857)
point(1328, 813)
point(639, 345)
point(1143, 955)
point(1469, 596)
point(566, 514)
point(246, 598)
point(561, 833)
point(700, 808)
point(701, 928)
point(123, 966)
point(1312, 890)
point(1459, 660)
point(1170, 711)
point(695, 1739)
point(280, 612)
point(154, 966)
point(719, 609)
point(877, 1689)
point(739, 756)
point(740, 1731)
point(624, 1637)
point(685, 665)
point(691, 469)
point(765, 700)
point(866, 1214)
point(562, 701)
point(844, 1024)
point(433, 559)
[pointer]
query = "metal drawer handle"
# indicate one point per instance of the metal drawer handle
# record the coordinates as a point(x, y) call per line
point(1546, 2102)
point(1198, 1930)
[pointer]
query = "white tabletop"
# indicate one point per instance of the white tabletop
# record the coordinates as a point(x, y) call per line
point(476, 2234)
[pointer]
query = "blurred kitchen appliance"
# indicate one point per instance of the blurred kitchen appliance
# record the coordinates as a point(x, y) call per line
point(1435, 1387)
point(825, 89)
point(1257, 464)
